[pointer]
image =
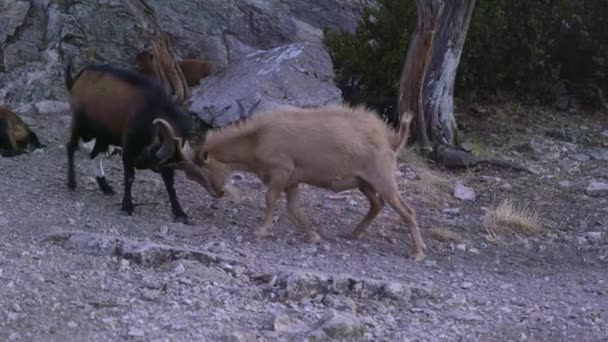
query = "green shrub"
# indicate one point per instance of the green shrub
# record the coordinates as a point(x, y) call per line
point(517, 47)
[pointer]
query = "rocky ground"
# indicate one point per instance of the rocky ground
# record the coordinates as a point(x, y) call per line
point(73, 267)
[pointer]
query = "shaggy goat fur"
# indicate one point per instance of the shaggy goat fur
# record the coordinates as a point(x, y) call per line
point(15, 135)
point(193, 69)
point(333, 147)
point(117, 107)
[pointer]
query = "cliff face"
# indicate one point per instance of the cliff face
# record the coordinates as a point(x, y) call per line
point(37, 35)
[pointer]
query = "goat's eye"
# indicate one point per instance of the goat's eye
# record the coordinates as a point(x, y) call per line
point(205, 156)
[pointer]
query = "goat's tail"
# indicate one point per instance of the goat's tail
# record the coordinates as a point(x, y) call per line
point(404, 131)
point(69, 81)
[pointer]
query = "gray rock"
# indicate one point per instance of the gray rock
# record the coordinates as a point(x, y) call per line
point(463, 192)
point(598, 153)
point(50, 107)
point(12, 15)
point(239, 336)
point(337, 324)
point(544, 149)
point(581, 157)
point(597, 189)
point(604, 133)
point(565, 184)
point(298, 74)
point(222, 32)
point(451, 211)
point(594, 237)
point(285, 324)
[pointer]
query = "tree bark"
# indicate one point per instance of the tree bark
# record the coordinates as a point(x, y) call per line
point(168, 71)
point(439, 83)
point(429, 72)
point(411, 83)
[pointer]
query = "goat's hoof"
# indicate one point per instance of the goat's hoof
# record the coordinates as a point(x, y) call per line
point(356, 235)
point(418, 256)
point(108, 191)
point(313, 237)
point(261, 234)
point(182, 219)
point(128, 209)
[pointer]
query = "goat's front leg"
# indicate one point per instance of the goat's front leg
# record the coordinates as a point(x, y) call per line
point(299, 216)
point(129, 173)
point(169, 179)
point(275, 188)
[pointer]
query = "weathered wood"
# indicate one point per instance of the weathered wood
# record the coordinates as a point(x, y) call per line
point(439, 84)
point(168, 71)
point(411, 84)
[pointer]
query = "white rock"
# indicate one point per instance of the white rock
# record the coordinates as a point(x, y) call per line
point(464, 192)
point(597, 189)
point(565, 184)
point(594, 236)
point(50, 107)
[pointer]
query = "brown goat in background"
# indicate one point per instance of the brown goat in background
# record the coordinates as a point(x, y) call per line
point(193, 69)
point(333, 147)
point(15, 135)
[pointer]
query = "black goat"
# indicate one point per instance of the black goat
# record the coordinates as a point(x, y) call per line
point(118, 107)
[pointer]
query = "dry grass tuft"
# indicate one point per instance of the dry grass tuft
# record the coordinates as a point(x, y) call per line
point(430, 187)
point(445, 235)
point(506, 218)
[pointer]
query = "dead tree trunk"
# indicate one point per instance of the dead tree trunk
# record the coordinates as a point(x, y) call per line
point(411, 83)
point(167, 69)
point(429, 72)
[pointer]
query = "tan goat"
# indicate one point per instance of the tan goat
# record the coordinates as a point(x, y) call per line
point(333, 147)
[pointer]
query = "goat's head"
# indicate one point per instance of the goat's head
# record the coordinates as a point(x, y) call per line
point(170, 150)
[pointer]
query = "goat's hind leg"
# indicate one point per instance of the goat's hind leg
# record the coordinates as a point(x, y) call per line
point(376, 203)
point(71, 147)
point(100, 175)
point(387, 188)
point(168, 176)
point(299, 216)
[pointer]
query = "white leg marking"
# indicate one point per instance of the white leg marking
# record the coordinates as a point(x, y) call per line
point(98, 166)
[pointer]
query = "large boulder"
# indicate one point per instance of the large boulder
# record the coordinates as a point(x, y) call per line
point(299, 74)
point(36, 36)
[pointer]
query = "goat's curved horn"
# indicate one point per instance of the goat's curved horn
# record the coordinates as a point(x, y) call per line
point(167, 150)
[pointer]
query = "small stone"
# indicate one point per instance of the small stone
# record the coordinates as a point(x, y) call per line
point(461, 247)
point(604, 134)
point(506, 309)
point(597, 189)
point(581, 157)
point(466, 285)
point(164, 230)
point(565, 184)
point(464, 193)
point(341, 325)
point(594, 237)
point(179, 269)
point(49, 107)
point(239, 336)
point(474, 250)
point(136, 332)
point(71, 221)
point(284, 324)
point(451, 211)
point(340, 303)
point(598, 153)
point(397, 291)
point(506, 186)
point(150, 294)
point(72, 324)
point(13, 336)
